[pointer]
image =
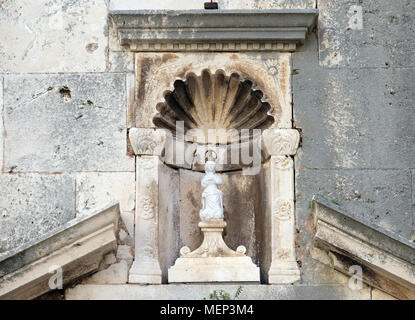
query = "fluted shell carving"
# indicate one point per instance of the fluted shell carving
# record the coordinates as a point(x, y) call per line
point(213, 101)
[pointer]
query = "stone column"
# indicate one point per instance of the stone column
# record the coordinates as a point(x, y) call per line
point(148, 145)
point(279, 144)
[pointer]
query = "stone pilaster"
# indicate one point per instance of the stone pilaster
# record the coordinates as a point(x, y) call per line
point(148, 145)
point(279, 145)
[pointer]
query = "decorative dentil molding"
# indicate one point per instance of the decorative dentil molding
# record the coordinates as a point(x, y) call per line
point(213, 30)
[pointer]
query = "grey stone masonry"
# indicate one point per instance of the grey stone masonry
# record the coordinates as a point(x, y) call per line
point(33, 204)
point(381, 197)
point(353, 117)
point(63, 123)
point(53, 36)
point(353, 96)
point(368, 33)
point(69, 251)
point(358, 139)
point(386, 259)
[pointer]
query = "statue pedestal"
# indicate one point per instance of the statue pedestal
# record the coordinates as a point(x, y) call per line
point(213, 261)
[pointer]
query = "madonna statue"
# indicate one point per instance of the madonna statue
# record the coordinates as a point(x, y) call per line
point(211, 196)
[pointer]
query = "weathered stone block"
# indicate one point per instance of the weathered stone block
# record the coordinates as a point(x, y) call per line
point(57, 123)
point(380, 295)
point(110, 259)
point(370, 34)
point(380, 197)
point(386, 259)
point(53, 36)
point(124, 253)
point(125, 238)
point(33, 204)
point(120, 61)
point(62, 255)
point(115, 274)
point(95, 188)
point(353, 118)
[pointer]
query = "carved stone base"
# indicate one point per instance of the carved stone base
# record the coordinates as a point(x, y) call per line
point(283, 272)
point(211, 269)
point(145, 272)
point(213, 261)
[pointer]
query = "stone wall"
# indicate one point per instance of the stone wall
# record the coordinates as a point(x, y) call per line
point(65, 84)
point(353, 95)
point(63, 128)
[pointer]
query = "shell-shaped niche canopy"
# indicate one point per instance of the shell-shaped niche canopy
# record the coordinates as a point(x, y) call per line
point(213, 108)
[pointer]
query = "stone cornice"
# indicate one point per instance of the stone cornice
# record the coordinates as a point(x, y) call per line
point(77, 247)
point(213, 30)
point(387, 260)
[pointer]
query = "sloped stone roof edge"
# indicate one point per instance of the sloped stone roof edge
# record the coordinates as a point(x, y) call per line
point(65, 228)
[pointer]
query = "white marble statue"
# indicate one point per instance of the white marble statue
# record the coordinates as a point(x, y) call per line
point(211, 196)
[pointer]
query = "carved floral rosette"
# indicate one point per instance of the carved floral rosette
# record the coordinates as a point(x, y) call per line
point(283, 209)
point(145, 199)
point(148, 208)
point(280, 142)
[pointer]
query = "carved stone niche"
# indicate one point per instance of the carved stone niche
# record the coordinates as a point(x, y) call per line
point(233, 82)
point(259, 205)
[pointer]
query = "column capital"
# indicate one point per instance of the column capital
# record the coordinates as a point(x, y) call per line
point(280, 142)
point(147, 141)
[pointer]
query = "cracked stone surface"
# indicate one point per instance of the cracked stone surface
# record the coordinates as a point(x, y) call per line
point(353, 118)
point(383, 39)
point(53, 36)
point(33, 204)
point(95, 188)
point(61, 123)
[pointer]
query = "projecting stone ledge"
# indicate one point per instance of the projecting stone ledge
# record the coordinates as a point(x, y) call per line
point(77, 247)
point(213, 30)
point(387, 259)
